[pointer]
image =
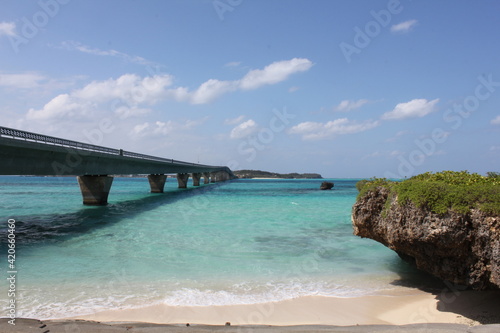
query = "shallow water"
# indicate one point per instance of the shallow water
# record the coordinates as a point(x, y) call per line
point(238, 242)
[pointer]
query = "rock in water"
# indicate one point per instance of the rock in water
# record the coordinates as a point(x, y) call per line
point(461, 248)
point(326, 186)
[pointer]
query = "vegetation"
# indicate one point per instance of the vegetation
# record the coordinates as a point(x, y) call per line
point(493, 174)
point(443, 191)
point(366, 185)
point(266, 174)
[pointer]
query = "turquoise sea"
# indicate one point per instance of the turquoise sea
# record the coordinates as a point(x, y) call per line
point(238, 242)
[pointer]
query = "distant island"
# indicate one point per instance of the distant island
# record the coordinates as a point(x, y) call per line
point(266, 174)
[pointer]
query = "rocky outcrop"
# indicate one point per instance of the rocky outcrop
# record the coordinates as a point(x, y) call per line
point(460, 248)
point(326, 186)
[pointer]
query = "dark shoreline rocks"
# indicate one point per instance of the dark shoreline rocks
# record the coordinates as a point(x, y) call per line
point(326, 186)
point(460, 248)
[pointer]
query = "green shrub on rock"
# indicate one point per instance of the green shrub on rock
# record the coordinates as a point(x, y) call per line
point(443, 191)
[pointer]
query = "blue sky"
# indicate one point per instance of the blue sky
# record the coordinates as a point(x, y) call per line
point(342, 88)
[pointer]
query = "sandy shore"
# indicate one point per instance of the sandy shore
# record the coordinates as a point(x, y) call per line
point(300, 311)
point(416, 312)
point(471, 308)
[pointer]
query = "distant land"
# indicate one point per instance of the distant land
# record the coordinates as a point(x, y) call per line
point(267, 174)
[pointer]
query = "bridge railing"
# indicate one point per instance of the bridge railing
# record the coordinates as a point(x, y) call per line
point(50, 140)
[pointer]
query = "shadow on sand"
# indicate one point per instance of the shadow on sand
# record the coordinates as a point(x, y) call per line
point(481, 307)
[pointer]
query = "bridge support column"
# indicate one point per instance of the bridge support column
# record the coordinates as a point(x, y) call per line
point(182, 179)
point(206, 178)
point(196, 179)
point(95, 189)
point(213, 177)
point(157, 183)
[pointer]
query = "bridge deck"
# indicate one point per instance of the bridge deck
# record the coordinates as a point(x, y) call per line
point(25, 153)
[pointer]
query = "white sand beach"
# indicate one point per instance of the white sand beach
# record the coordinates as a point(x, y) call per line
point(471, 308)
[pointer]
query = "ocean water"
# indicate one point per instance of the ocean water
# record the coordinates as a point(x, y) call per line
point(238, 242)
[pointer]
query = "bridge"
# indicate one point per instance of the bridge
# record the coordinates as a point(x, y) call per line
point(26, 153)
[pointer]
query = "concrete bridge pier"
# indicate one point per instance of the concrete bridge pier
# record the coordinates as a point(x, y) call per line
point(157, 183)
point(213, 177)
point(220, 176)
point(206, 178)
point(196, 179)
point(95, 189)
point(182, 179)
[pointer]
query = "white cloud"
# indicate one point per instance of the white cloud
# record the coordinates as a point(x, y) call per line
point(244, 129)
point(164, 128)
point(276, 72)
point(346, 105)
point(128, 92)
point(22, 81)
point(140, 128)
point(213, 88)
point(495, 121)
point(234, 121)
point(316, 131)
point(293, 89)
point(233, 64)
point(210, 90)
point(412, 109)
point(179, 94)
point(125, 112)
point(7, 29)
point(396, 153)
point(372, 155)
point(130, 88)
point(271, 74)
point(404, 26)
point(63, 105)
point(397, 136)
point(385, 154)
point(72, 45)
point(158, 128)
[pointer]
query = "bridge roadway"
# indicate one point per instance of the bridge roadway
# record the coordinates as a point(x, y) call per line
point(26, 153)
